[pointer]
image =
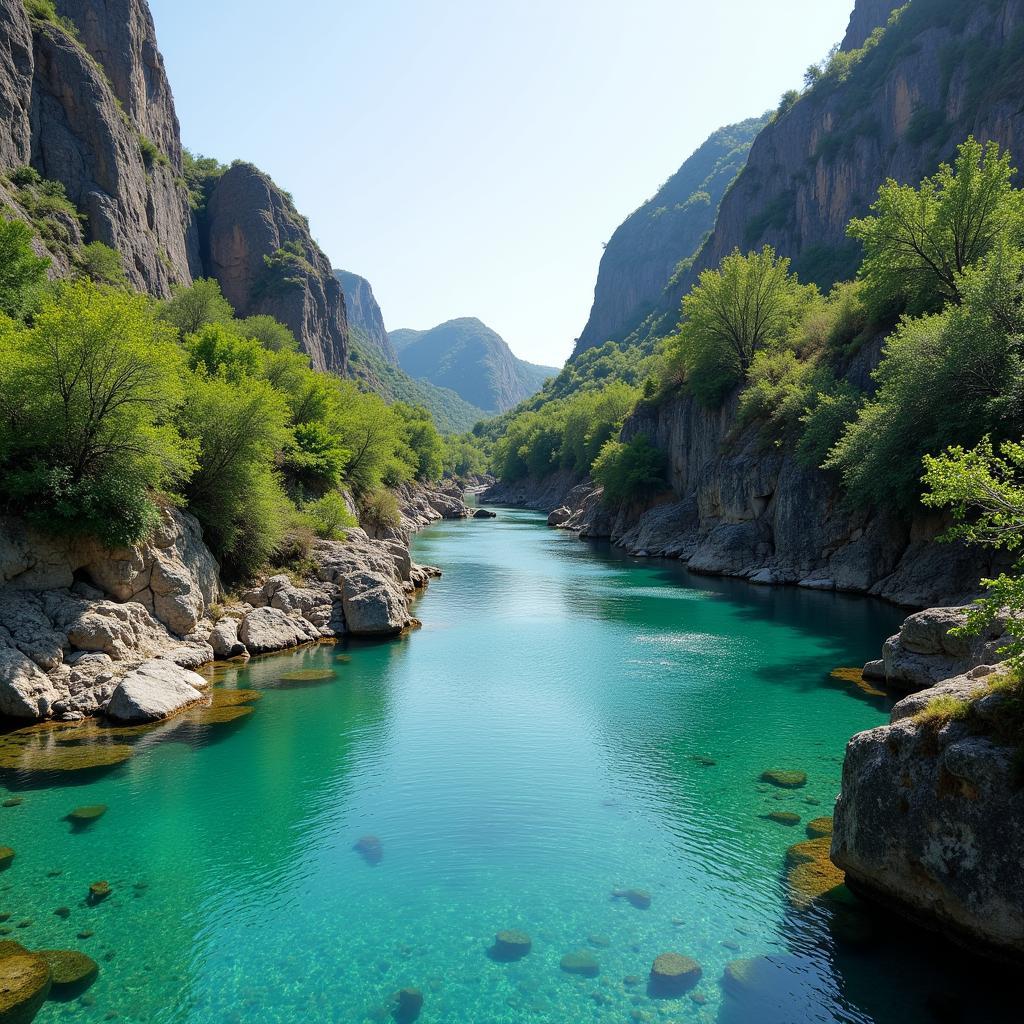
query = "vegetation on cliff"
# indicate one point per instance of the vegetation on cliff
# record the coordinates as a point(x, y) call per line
point(111, 403)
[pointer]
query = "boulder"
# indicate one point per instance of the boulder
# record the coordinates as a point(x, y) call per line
point(559, 516)
point(71, 972)
point(673, 974)
point(25, 691)
point(24, 986)
point(485, 513)
point(224, 640)
point(785, 779)
point(509, 946)
point(370, 849)
point(408, 1003)
point(374, 605)
point(639, 898)
point(271, 629)
point(156, 689)
point(581, 962)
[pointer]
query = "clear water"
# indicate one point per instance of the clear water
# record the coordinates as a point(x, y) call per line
point(535, 746)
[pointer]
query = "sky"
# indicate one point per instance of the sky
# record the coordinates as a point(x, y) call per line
point(472, 157)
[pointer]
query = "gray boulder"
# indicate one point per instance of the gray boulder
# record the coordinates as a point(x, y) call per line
point(25, 691)
point(374, 605)
point(224, 640)
point(271, 629)
point(156, 689)
point(559, 516)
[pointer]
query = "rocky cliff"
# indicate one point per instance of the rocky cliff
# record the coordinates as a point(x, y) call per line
point(943, 70)
point(261, 251)
point(930, 820)
point(365, 320)
point(472, 360)
point(645, 250)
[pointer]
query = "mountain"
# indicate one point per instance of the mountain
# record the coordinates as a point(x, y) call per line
point(646, 249)
point(90, 151)
point(471, 359)
point(365, 322)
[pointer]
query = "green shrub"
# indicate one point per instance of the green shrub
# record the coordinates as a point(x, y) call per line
point(101, 264)
point(329, 516)
point(193, 306)
point(22, 272)
point(631, 471)
point(151, 153)
point(378, 511)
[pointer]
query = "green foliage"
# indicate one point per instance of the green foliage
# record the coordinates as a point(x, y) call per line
point(286, 268)
point(151, 153)
point(270, 333)
point(329, 516)
point(51, 213)
point(194, 306)
point(22, 273)
point(200, 174)
point(750, 303)
point(630, 471)
point(86, 395)
point(944, 379)
point(463, 456)
point(918, 242)
point(826, 417)
point(378, 511)
point(425, 450)
point(102, 265)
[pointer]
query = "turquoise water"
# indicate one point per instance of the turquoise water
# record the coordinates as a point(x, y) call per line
point(542, 741)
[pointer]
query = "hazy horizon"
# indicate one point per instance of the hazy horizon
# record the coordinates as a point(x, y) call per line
point(471, 161)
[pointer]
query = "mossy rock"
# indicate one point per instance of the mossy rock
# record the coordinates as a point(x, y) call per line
point(785, 779)
point(232, 698)
point(13, 801)
point(8, 947)
point(812, 875)
point(85, 816)
point(370, 849)
point(808, 850)
point(305, 677)
point(216, 716)
point(24, 986)
point(408, 1003)
point(818, 828)
point(71, 972)
point(741, 977)
point(98, 892)
point(57, 758)
point(6, 856)
point(856, 676)
point(784, 818)
point(673, 974)
point(510, 945)
point(581, 962)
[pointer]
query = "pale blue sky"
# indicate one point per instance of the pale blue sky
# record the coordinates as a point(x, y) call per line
point(470, 157)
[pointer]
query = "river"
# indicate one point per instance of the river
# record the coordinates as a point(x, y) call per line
point(569, 722)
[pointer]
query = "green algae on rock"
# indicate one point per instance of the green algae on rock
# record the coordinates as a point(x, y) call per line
point(818, 828)
point(307, 675)
point(785, 779)
point(13, 801)
point(24, 986)
point(812, 875)
point(789, 818)
point(6, 856)
point(510, 945)
point(71, 972)
point(98, 892)
point(85, 816)
point(582, 962)
point(673, 974)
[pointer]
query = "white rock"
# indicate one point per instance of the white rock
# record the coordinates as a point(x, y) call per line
point(156, 689)
point(25, 691)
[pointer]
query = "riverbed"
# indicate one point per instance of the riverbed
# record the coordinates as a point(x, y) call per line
point(569, 723)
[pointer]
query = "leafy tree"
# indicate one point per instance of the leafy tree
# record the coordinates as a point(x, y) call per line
point(749, 303)
point(329, 516)
point(630, 471)
point(194, 306)
point(219, 348)
point(984, 487)
point(85, 396)
point(270, 333)
point(102, 265)
point(315, 458)
point(422, 440)
point(22, 272)
point(919, 241)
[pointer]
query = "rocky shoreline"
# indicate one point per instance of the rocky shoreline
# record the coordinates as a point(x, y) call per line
point(85, 631)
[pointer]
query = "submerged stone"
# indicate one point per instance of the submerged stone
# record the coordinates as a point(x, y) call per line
point(673, 974)
point(13, 801)
point(812, 875)
point(704, 761)
point(63, 913)
point(581, 962)
point(6, 856)
point(24, 986)
point(408, 1005)
point(98, 892)
point(818, 828)
point(784, 817)
point(370, 849)
point(70, 971)
point(639, 898)
point(510, 945)
point(8, 947)
point(307, 676)
point(30, 757)
point(785, 779)
point(85, 816)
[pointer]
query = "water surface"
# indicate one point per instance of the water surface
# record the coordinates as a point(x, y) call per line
point(545, 739)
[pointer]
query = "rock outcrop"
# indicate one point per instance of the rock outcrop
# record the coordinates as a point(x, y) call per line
point(365, 320)
point(643, 253)
point(930, 820)
point(155, 690)
point(261, 251)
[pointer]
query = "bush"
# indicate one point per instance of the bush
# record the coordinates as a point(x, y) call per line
point(631, 471)
point(102, 265)
point(86, 394)
point(195, 306)
point(378, 511)
point(22, 272)
point(329, 516)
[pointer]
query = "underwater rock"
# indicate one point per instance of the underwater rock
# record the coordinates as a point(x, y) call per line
point(408, 1004)
point(306, 677)
point(370, 849)
point(785, 779)
point(599, 941)
point(819, 827)
point(6, 856)
point(24, 986)
point(704, 761)
point(98, 892)
point(63, 913)
point(812, 875)
point(82, 817)
point(13, 801)
point(581, 962)
point(639, 898)
point(8, 947)
point(784, 817)
point(485, 513)
point(510, 945)
point(71, 972)
point(673, 974)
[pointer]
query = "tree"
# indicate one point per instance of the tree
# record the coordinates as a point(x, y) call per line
point(985, 490)
point(102, 265)
point(85, 398)
point(196, 305)
point(748, 303)
point(919, 241)
point(630, 471)
point(21, 270)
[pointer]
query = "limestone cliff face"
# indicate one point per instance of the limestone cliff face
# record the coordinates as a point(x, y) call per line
point(365, 320)
point(249, 220)
point(943, 71)
point(866, 17)
point(642, 254)
point(16, 65)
